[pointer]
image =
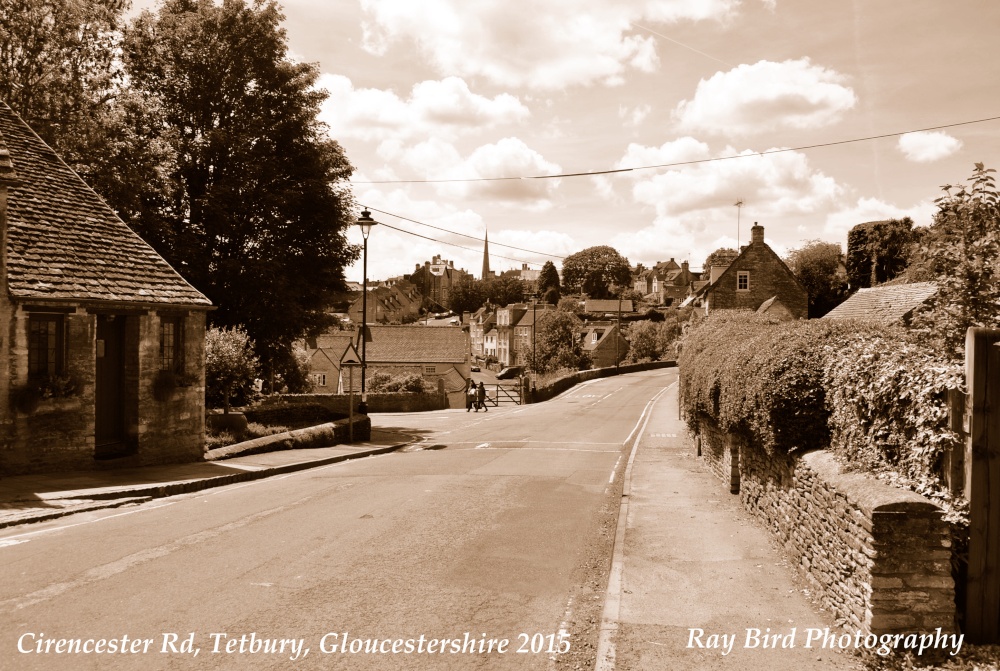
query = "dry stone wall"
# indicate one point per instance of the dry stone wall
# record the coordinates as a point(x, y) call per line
point(877, 557)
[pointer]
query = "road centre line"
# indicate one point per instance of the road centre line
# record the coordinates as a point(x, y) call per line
point(546, 442)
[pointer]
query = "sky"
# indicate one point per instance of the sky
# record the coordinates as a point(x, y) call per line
point(424, 95)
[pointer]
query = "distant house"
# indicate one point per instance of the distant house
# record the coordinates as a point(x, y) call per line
point(479, 323)
point(754, 277)
point(515, 325)
point(886, 304)
point(603, 343)
point(528, 276)
point(433, 353)
point(399, 303)
point(102, 343)
point(603, 306)
point(666, 283)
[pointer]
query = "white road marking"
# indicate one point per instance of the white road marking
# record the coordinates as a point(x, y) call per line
point(614, 470)
point(482, 445)
point(613, 599)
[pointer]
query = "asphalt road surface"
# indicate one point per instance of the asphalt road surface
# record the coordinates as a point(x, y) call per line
point(484, 546)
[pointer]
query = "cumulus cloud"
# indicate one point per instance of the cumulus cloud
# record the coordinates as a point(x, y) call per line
point(445, 108)
point(634, 116)
point(766, 96)
point(509, 157)
point(928, 146)
point(565, 42)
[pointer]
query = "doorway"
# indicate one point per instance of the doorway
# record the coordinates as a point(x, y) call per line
point(109, 401)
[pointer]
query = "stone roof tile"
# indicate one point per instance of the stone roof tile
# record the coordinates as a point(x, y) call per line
point(886, 304)
point(65, 243)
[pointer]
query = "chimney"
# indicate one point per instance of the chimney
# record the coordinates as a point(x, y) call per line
point(757, 234)
point(684, 266)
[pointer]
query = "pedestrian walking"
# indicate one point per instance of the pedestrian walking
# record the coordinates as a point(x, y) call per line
point(481, 397)
point(471, 393)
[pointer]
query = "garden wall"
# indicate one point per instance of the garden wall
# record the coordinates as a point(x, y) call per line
point(877, 556)
point(404, 401)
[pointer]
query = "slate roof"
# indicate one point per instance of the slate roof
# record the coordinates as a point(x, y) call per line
point(607, 305)
point(886, 304)
point(416, 344)
point(65, 243)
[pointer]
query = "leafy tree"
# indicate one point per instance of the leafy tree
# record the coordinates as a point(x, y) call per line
point(58, 68)
point(558, 342)
point(817, 264)
point(877, 251)
point(722, 256)
point(651, 341)
point(963, 249)
point(548, 283)
point(256, 199)
point(595, 269)
point(504, 290)
point(468, 295)
point(230, 366)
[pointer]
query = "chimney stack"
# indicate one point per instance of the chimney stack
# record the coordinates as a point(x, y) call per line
point(757, 234)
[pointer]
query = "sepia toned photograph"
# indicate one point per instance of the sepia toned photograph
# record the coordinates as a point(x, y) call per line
point(569, 335)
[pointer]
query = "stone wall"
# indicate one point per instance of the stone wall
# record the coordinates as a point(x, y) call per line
point(54, 434)
point(389, 402)
point(877, 557)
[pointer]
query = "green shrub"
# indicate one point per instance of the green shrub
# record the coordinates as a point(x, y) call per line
point(382, 382)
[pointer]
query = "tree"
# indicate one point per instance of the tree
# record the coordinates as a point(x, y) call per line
point(595, 269)
point(467, 295)
point(558, 342)
point(504, 290)
point(962, 248)
point(817, 265)
point(257, 199)
point(230, 366)
point(548, 283)
point(722, 256)
point(878, 251)
point(58, 69)
point(651, 341)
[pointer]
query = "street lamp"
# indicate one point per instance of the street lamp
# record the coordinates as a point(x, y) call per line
point(366, 222)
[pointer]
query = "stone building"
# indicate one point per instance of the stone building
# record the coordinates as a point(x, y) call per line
point(755, 276)
point(603, 343)
point(102, 343)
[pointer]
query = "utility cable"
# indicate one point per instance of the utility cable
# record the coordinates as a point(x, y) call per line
point(681, 163)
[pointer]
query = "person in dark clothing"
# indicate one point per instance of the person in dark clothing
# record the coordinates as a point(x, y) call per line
point(481, 397)
point(471, 393)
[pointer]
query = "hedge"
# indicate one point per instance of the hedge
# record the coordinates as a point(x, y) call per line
point(871, 393)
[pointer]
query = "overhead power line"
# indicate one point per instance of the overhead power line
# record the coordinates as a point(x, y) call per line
point(678, 164)
point(466, 235)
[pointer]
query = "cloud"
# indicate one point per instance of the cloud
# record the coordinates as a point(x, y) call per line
point(766, 96)
point(445, 108)
point(508, 157)
point(563, 43)
point(928, 146)
point(782, 183)
point(634, 116)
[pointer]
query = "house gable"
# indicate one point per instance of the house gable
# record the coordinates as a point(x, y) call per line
point(755, 276)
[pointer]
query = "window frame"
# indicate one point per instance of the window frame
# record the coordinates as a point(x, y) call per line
point(176, 360)
point(743, 276)
point(57, 348)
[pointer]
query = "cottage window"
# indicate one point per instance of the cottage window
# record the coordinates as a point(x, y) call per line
point(321, 379)
point(593, 336)
point(45, 346)
point(743, 281)
point(430, 370)
point(171, 351)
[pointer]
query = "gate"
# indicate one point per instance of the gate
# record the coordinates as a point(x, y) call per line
point(507, 394)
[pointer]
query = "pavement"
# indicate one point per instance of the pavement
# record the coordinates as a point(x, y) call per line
point(25, 499)
point(696, 581)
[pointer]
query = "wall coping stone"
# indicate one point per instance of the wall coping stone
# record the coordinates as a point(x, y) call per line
point(869, 494)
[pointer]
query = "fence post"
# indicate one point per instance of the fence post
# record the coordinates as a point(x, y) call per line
point(982, 484)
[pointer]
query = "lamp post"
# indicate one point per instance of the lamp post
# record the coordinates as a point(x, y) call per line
point(618, 331)
point(366, 222)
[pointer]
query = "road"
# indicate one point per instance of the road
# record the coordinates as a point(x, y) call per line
point(495, 529)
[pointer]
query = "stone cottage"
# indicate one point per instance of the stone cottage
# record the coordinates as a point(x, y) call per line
point(756, 276)
point(102, 359)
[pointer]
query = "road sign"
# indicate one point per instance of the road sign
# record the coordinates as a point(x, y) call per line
point(350, 356)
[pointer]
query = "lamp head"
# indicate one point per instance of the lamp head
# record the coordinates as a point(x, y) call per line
point(366, 222)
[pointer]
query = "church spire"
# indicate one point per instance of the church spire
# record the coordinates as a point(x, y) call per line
point(486, 256)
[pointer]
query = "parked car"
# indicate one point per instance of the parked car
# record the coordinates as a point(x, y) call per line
point(510, 372)
point(475, 369)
